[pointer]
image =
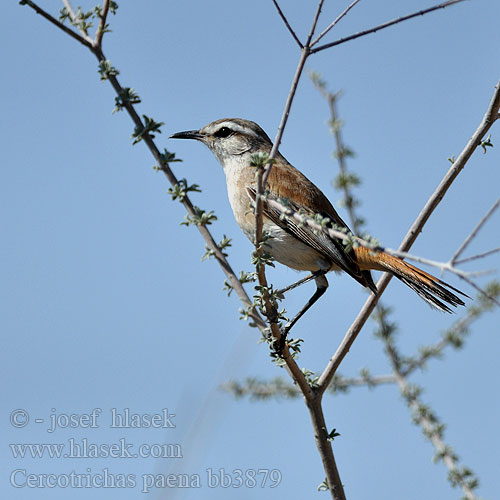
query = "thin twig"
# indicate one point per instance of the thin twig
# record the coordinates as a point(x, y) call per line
point(102, 23)
point(333, 23)
point(469, 238)
point(287, 24)
point(369, 381)
point(278, 387)
point(304, 54)
point(70, 10)
point(443, 266)
point(72, 16)
point(478, 256)
point(487, 121)
point(331, 99)
point(286, 111)
point(314, 23)
point(429, 429)
point(57, 23)
point(480, 290)
point(383, 26)
point(437, 348)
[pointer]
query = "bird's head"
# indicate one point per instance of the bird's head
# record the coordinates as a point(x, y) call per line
point(228, 138)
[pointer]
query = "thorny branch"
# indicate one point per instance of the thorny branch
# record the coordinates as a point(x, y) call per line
point(478, 256)
point(57, 23)
point(434, 434)
point(102, 23)
point(454, 260)
point(384, 25)
point(341, 152)
point(96, 48)
point(422, 415)
point(278, 387)
point(334, 22)
point(488, 119)
point(285, 21)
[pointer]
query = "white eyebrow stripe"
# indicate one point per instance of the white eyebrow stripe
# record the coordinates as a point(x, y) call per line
point(243, 130)
point(236, 127)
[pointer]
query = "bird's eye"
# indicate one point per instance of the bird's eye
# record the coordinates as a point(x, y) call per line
point(223, 132)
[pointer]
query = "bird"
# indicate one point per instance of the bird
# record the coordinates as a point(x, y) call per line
point(234, 142)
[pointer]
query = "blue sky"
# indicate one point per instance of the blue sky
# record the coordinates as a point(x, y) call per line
point(105, 303)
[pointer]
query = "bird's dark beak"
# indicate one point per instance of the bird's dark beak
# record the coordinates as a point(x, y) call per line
point(188, 134)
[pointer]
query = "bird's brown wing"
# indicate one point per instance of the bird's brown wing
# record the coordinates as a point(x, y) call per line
point(331, 248)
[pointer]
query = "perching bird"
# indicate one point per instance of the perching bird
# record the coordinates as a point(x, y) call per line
point(233, 141)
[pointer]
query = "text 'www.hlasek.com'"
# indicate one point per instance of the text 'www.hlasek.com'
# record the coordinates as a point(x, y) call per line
point(67, 452)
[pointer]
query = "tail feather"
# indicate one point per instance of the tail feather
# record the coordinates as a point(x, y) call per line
point(434, 291)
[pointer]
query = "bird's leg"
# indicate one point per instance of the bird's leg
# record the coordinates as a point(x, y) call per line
point(321, 286)
point(301, 281)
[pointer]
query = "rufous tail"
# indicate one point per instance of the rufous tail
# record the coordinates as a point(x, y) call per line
point(434, 291)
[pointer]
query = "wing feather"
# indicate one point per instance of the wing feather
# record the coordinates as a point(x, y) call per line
point(331, 248)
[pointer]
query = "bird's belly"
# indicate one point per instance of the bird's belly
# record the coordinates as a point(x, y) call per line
point(282, 246)
point(288, 250)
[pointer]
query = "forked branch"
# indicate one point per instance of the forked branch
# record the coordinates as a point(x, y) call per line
point(384, 25)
